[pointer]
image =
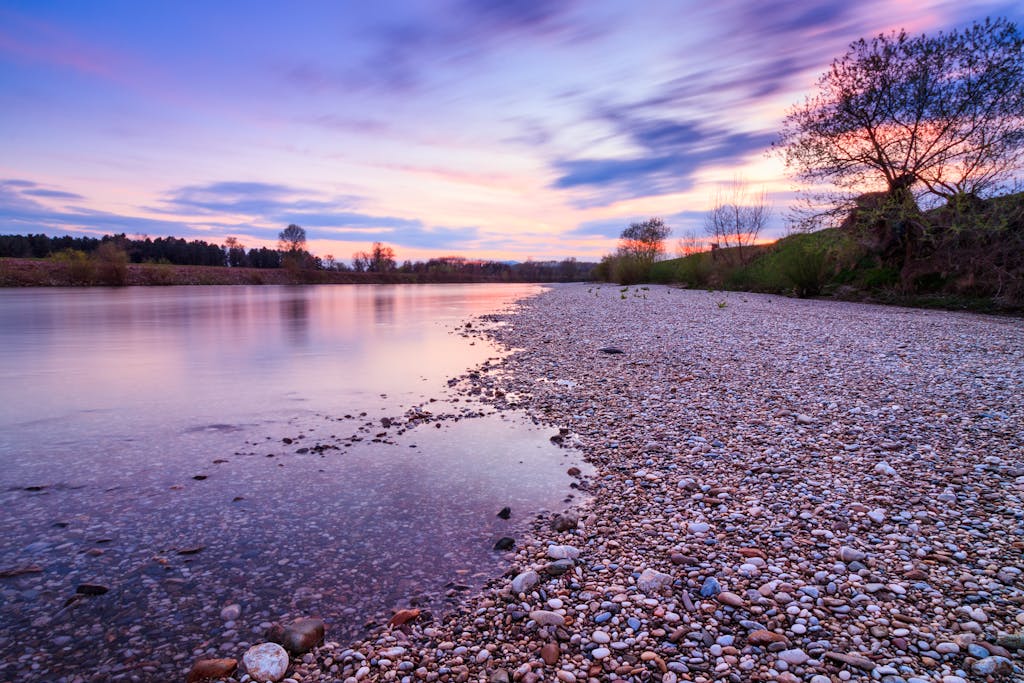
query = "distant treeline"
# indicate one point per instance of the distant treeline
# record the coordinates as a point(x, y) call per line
point(177, 251)
point(160, 250)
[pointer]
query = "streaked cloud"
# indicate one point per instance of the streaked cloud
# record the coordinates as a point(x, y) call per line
point(522, 127)
point(265, 210)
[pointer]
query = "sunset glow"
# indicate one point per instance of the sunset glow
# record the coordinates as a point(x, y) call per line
point(502, 130)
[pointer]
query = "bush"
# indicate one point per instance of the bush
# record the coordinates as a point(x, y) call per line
point(77, 266)
point(111, 264)
point(880, 277)
point(695, 270)
point(629, 270)
point(805, 267)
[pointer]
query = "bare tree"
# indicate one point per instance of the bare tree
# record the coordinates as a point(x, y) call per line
point(689, 244)
point(382, 258)
point(737, 218)
point(943, 114)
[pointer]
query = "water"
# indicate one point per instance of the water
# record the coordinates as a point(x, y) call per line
point(295, 450)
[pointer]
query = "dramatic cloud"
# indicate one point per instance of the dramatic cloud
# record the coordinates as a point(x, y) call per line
point(671, 154)
point(537, 122)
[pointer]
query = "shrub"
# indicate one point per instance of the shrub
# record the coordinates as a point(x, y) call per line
point(629, 270)
point(805, 266)
point(76, 265)
point(111, 264)
point(695, 270)
point(877, 278)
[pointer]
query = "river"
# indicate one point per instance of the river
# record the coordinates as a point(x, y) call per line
point(293, 451)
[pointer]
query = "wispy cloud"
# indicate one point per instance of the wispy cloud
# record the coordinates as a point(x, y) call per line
point(53, 194)
point(257, 209)
point(267, 200)
point(678, 222)
point(670, 155)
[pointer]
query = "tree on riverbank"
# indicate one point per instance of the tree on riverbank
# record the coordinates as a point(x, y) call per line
point(292, 239)
point(640, 245)
point(938, 115)
point(380, 259)
point(737, 218)
point(917, 135)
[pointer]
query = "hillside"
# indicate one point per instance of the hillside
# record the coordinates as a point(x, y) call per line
point(969, 258)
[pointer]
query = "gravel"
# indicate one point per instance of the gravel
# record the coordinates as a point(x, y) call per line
point(842, 480)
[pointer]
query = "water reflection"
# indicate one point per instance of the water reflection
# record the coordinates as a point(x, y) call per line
point(190, 447)
point(383, 306)
point(295, 314)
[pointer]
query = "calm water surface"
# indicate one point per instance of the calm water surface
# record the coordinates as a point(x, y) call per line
point(294, 450)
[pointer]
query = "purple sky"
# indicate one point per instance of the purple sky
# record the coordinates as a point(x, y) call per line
point(501, 129)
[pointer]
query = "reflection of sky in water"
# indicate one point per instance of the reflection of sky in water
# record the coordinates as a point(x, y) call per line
point(115, 399)
point(88, 366)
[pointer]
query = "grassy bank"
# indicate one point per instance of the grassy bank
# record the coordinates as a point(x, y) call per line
point(26, 272)
point(833, 263)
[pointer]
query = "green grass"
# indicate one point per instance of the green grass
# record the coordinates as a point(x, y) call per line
point(827, 262)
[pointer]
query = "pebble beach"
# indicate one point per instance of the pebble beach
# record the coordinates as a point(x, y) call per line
point(785, 490)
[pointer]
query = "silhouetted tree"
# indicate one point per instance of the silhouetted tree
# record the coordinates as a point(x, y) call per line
point(942, 113)
point(382, 258)
point(292, 239)
point(644, 241)
point(237, 257)
point(264, 258)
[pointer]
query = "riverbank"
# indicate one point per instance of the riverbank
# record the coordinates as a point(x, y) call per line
point(49, 272)
point(786, 490)
point(27, 272)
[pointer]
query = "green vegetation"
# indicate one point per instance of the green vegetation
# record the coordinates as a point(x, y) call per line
point(980, 267)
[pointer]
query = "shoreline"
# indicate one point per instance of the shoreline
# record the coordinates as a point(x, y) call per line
point(785, 490)
point(26, 273)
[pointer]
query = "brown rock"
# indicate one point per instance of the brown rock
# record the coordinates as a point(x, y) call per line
point(730, 599)
point(565, 521)
point(403, 616)
point(303, 635)
point(206, 669)
point(550, 653)
point(763, 637)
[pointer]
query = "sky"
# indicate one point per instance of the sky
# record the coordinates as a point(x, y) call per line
point(501, 129)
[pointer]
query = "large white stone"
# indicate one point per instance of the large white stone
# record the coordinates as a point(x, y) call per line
point(563, 552)
point(546, 618)
point(522, 583)
point(266, 662)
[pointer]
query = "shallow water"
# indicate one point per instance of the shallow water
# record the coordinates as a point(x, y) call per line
point(295, 450)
